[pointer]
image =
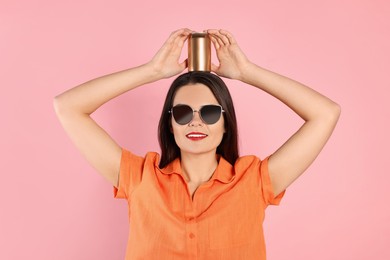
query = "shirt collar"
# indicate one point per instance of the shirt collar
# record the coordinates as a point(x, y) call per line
point(224, 172)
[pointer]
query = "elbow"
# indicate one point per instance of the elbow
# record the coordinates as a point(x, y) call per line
point(58, 105)
point(336, 111)
point(66, 107)
point(328, 113)
point(333, 113)
point(62, 106)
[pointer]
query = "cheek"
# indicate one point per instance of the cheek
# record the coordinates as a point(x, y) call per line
point(219, 130)
point(177, 132)
point(173, 126)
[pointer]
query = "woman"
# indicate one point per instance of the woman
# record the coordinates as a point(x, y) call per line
point(200, 201)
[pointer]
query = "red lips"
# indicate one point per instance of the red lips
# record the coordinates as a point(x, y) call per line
point(196, 136)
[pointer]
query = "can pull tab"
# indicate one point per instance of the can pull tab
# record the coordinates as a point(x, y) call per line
point(199, 52)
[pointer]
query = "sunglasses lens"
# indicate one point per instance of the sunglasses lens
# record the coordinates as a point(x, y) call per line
point(182, 114)
point(211, 114)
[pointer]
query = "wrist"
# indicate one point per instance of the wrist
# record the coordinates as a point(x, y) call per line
point(246, 71)
point(152, 72)
point(162, 71)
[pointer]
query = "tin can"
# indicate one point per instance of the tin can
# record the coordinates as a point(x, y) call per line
point(199, 52)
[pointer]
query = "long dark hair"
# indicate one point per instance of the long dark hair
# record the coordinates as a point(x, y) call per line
point(228, 148)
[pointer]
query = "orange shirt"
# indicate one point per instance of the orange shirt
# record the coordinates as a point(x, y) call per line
point(222, 221)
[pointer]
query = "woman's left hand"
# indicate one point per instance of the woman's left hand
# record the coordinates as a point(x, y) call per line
point(232, 61)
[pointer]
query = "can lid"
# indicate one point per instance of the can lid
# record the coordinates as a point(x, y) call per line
point(198, 34)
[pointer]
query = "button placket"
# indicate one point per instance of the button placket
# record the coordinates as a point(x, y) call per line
point(192, 237)
point(191, 231)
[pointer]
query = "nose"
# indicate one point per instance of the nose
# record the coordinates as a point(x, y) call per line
point(196, 119)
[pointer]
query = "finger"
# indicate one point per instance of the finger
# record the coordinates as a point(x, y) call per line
point(219, 40)
point(211, 31)
point(228, 35)
point(215, 42)
point(214, 33)
point(184, 32)
point(180, 37)
point(222, 37)
point(181, 31)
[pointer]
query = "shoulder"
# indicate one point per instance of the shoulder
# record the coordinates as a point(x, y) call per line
point(251, 163)
point(247, 161)
point(131, 158)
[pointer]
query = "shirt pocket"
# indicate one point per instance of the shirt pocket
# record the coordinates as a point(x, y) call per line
point(239, 226)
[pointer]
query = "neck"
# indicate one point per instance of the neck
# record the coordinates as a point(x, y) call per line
point(198, 168)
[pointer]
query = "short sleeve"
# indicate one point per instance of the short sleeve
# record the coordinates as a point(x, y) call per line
point(130, 174)
point(268, 192)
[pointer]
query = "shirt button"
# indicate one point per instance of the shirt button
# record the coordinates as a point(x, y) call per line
point(191, 235)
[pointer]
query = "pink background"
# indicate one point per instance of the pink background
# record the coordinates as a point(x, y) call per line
point(54, 206)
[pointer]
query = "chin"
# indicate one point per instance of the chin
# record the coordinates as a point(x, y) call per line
point(198, 151)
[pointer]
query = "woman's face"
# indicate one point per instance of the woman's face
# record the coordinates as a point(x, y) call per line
point(197, 137)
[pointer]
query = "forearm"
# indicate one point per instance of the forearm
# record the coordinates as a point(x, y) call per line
point(306, 102)
point(74, 106)
point(320, 113)
point(89, 96)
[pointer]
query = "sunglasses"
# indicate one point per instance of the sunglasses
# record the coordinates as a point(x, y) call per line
point(183, 114)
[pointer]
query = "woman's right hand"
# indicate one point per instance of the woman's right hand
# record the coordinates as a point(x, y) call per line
point(166, 61)
point(74, 106)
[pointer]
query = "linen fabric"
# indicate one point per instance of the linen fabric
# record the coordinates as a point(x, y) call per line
point(223, 220)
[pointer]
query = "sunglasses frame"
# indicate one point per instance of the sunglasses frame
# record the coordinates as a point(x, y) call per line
point(199, 113)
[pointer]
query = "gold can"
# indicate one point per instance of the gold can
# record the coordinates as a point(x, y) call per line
point(199, 52)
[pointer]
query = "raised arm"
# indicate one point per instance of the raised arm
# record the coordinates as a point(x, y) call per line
point(75, 106)
point(319, 112)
